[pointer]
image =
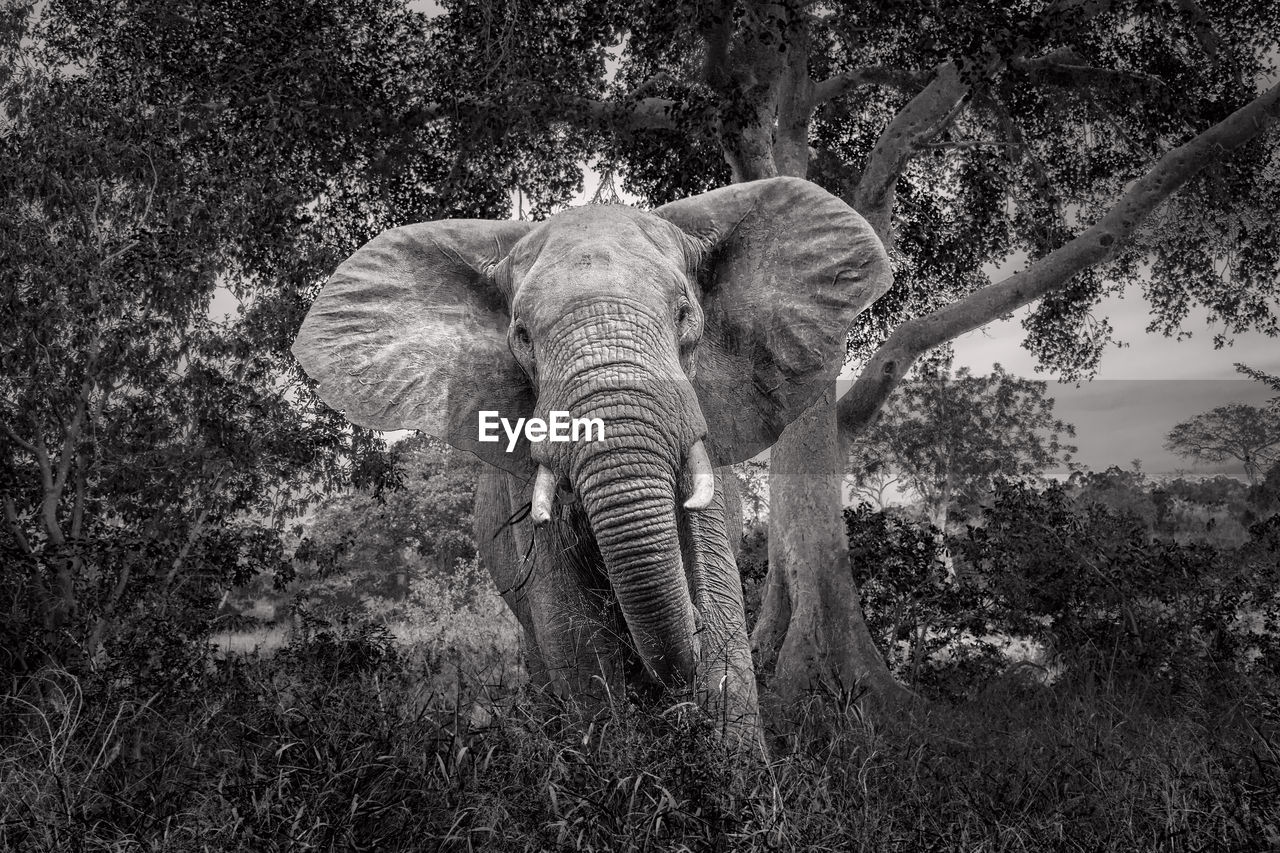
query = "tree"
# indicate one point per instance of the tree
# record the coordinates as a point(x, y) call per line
point(135, 431)
point(1235, 431)
point(1267, 379)
point(753, 490)
point(948, 437)
point(963, 135)
point(1265, 496)
point(1119, 491)
point(1271, 381)
point(1091, 581)
point(382, 539)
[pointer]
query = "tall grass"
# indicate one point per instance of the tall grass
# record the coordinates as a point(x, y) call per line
point(344, 745)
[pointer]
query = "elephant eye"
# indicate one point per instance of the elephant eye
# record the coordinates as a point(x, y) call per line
point(522, 337)
point(683, 314)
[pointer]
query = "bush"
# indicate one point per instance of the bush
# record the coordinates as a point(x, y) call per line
point(1107, 597)
point(1084, 586)
point(932, 633)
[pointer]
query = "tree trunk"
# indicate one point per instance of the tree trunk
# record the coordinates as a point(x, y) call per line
point(811, 631)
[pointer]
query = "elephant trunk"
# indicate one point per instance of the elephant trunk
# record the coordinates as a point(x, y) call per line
point(633, 518)
point(623, 368)
point(628, 487)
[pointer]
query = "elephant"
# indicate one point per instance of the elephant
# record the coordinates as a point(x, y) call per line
point(693, 333)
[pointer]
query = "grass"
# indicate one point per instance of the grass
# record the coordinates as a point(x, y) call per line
point(328, 746)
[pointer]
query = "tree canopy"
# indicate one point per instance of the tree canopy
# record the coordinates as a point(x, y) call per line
point(1237, 431)
point(947, 437)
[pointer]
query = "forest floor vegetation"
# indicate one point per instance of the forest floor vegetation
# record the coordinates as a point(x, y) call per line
point(344, 740)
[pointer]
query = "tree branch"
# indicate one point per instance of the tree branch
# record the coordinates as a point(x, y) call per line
point(961, 144)
point(872, 75)
point(929, 112)
point(42, 460)
point(643, 114)
point(67, 456)
point(1202, 27)
point(193, 534)
point(18, 440)
point(795, 110)
point(1044, 184)
point(716, 30)
point(920, 120)
point(15, 526)
point(1208, 39)
point(1067, 63)
point(1052, 272)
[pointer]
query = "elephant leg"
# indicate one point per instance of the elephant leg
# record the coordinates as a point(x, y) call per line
point(496, 547)
point(560, 585)
point(726, 675)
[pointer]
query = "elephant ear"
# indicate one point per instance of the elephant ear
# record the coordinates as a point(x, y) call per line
point(785, 268)
point(410, 332)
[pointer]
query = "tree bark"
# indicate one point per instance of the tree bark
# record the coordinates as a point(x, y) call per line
point(811, 630)
point(811, 613)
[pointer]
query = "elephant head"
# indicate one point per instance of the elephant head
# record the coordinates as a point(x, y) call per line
point(695, 333)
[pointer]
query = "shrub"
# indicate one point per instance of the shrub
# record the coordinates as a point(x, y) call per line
point(933, 633)
point(1107, 597)
point(753, 568)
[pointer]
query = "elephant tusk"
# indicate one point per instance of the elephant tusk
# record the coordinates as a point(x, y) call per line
point(698, 466)
point(544, 491)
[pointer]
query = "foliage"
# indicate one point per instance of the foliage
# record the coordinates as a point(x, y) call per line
point(753, 489)
point(375, 544)
point(1064, 109)
point(1209, 491)
point(1215, 511)
point(753, 553)
point(946, 438)
point(1057, 110)
point(1270, 380)
point(932, 632)
point(156, 156)
point(1265, 496)
point(1124, 493)
point(151, 453)
point(1107, 597)
point(157, 153)
point(753, 569)
point(1085, 581)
